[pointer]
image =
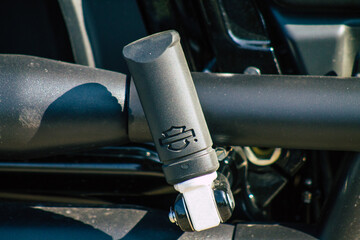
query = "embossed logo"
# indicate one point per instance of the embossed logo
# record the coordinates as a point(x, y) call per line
point(176, 138)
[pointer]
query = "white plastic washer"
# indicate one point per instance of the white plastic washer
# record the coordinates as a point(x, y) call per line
point(262, 161)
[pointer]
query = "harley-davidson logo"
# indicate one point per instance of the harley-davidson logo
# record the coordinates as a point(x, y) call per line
point(176, 138)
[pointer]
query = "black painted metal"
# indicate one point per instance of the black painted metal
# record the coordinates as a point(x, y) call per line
point(59, 222)
point(342, 218)
point(182, 16)
point(271, 231)
point(304, 112)
point(127, 174)
point(34, 28)
point(311, 5)
point(128, 160)
point(110, 25)
point(321, 43)
point(54, 107)
point(238, 36)
point(50, 107)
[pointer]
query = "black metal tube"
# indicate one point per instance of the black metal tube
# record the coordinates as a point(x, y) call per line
point(342, 220)
point(304, 112)
point(49, 107)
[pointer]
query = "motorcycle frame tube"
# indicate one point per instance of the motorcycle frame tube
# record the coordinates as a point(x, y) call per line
point(49, 107)
point(300, 112)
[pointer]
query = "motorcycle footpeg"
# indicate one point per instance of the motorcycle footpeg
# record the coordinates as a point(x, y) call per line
point(177, 124)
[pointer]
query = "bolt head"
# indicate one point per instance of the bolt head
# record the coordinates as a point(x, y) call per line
point(172, 216)
point(252, 71)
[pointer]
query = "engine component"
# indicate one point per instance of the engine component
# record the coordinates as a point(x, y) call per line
point(255, 186)
point(259, 157)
